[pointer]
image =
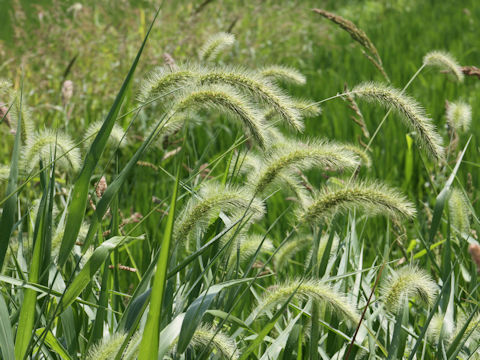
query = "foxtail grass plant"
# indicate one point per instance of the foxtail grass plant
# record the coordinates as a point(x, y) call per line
point(445, 62)
point(408, 282)
point(373, 198)
point(410, 111)
point(215, 45)
point(459, 116)
point(311, 289)
point(211, 228)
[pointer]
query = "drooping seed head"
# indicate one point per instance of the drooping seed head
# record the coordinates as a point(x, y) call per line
point(229, 101)
point(311, 289)
point(216, 44)
point(459, 115)
point(164, 79)
point(408, 282)
point(361, 153)
point(290, 249)
point(221, 343)
point(107, 348)
point(472, 329)
point(459, 211)
point(116, 135)
point(291, 155)
point(41, 146)
point(358, 35)
point(213, 198)
point(247, 245)
point(283, 73)
point(440, 328)
point(373, 198)
point(307, 108)
point(445, 62)
point(257, 86)
point(411, 112)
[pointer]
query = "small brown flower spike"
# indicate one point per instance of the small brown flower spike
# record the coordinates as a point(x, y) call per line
point(474, 250)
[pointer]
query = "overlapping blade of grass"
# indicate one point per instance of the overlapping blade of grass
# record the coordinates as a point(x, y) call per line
point(150, 339)
point(399, 337)
point(114, 187)
point(42, 233)
point(78, 204)
point(195, 311)
point(266, 329)
point(93, 264)
point(9, 209)
point(6, 332)
point(54, 344)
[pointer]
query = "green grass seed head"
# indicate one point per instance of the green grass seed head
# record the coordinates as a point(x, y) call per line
point(18, 109)
point(361, 153)
point(257, 86)
point(459, 211)
point(228, 100)
point(219, 342)
point(411, 112)
point(373, 198)
point(116, 135)
point(215, 45)
point(211, 199)
point(283, 73)
point(302, 156)
point(459, 116)
point(107, 348)
point(42, 146)
point(440, 328)
point(4, 172)
point(311, 289)
point(164, 79)
point(290, 249)
point(445, 61)
point(247, 247)
point(473, 328)
point(307, 108)
point(408, 282)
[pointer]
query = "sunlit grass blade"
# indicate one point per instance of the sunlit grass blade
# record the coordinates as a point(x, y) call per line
point(6, 332)
point(9, 209)
point(194, 314)
point(93, 264)
point(28, 309)
point(78, 204)
point(150, 339)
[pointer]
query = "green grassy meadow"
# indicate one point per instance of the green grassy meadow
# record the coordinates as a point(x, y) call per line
point(157, 200)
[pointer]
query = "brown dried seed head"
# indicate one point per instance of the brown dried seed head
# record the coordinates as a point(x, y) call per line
point(474, 250)
point(101, 187)
point(67, 91)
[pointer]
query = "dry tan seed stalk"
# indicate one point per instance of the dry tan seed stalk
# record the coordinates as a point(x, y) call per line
point(474, 250)
point(358, 119)
point(471, 71)
point(358, 35)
